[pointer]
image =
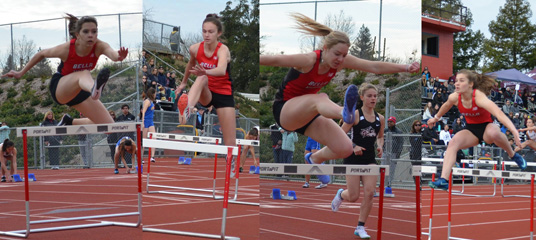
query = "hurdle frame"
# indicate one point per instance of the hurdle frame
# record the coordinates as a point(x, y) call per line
point(532, 164)
point(341, 170)
point(24, 132)
point(210, 140)
point(216, 149)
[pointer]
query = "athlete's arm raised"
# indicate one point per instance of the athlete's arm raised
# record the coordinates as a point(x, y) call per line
point(483, 101)
point(378, 67)
point(110, 52)
point(61, 51)
point(453, 99)
point(293, 60)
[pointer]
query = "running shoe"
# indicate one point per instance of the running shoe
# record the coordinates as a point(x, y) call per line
point(520, 161)
point(321, 185)
point(184, 109)
point(152, 160)
point(350, 103)
point(360, 232)
point(441, 184)
point(99, 83)
point(240, 169)
point(305, 185)
point(116, 171)
point(55, 168)
point(323, 178)
point(337, 201)
point(3, 179)
point(66, 120)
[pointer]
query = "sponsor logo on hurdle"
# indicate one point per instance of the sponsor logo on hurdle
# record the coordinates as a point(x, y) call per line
point(463, 171)
point(519, 175)
point(124, 127)
point(42, 131)
point(269, 169)
point(315, 169)
point(360, 170)
point(159, 135)
point(204, 139)
point(82, 129)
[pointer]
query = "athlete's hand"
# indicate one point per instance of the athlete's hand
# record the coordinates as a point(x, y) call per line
point(431, 121)
point(517, 141)
point(13, 74)
point(380, 151)
point(413, 68)
point(522, 130)
point(199, 70)
point(358, 150)
point(123, 52)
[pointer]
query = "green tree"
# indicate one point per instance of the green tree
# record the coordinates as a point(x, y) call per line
point(512, 38)
point(10, 65)
point(468, 51)
point(242, 35)
point(363, 44)
point(42, 68)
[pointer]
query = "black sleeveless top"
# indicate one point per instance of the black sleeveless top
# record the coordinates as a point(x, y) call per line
point(365, 133)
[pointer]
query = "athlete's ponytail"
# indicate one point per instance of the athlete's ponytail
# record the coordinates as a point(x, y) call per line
point(484, 83)
point(75, 24)
point(311, 27)
point(7, 144)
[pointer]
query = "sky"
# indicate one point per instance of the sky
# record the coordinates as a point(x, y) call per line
point(46, 34)
point(401, 23)
point(486, 11)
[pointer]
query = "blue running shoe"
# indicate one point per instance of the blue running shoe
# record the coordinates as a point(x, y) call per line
point(350, 103)
point(520, 161)
point(441, 184)
point(308, 158)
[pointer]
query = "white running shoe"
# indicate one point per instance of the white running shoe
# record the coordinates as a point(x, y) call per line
point(152, 160)
point(305, 185)
point(321, 186)
point(337, 201)
point(360, 232)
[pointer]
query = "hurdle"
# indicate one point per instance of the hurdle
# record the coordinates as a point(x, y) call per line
point(432, 170)
point(215, 149)
point(340, 170)
point(532, 164)
point(482, 173)
point(416, 173)
point(205, 140)
point(24, 132)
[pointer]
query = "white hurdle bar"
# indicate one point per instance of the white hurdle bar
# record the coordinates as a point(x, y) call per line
point(340, 170)
point(216, 149)
point(207, 140)
point(468, 161)
point(25, 132)
point(531, 164)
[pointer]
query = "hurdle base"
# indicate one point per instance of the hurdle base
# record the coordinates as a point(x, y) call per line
point(193, 234)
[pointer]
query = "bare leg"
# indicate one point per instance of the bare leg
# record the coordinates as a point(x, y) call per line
point(353, 187)
point(95, 112)
point(13, 166)
point(199, 92)
point(300, 110)
point(227, 117)
point(369, 183)
point(70, 85)
point(326, 132)
point(116, 157)
point(3, 161)
point(462, 140)
point(145, 135)
point(493, 134)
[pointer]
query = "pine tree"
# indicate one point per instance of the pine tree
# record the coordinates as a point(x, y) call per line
point(42, 68)
point(468, 51)
point(10, 65)
point(513, 38)
point(363, 44)
point(241, 30)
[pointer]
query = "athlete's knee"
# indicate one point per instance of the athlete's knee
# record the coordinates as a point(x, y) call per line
point(352, 197)
point(343, 149)
point(368, 193)
point(202, 78)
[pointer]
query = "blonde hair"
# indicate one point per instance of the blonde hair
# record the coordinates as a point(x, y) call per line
point(46, 114)
point(366, 86)
point(481, 82)
point(311, 27)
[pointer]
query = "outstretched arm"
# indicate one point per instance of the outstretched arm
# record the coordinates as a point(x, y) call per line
point(112, 54)
point(378, 67)
point(453, 98)
point(60, 51)
point(293, 60)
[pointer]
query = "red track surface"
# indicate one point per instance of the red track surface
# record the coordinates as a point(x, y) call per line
point(310, 217)
point(88, 192)
point(479, 217)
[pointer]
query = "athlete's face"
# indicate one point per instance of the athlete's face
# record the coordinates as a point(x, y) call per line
point(530, 123)
point(128, 148)
point(462, 84)
point(369, 98)
point(88, 33)
point(210, 32)
point(334, 56)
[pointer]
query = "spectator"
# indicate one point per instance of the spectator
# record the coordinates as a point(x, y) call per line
point(457, 126)
point(276, 137)
point(143, 57)
point(424, 89)
point(52, 141)
point(150, 66)
point(200, 120)
point(525, 98)
point(430, 135)
point(163, 82)
point(438, 98)
point(426, 73)
point(146, 82)
point(452, 79)
point(287, 146)
point(444, 135)
point(145, 71)
point(153, 79)
point(313, 146)
point(4, 131)
point(531, 104)
point(516, 107)
point(415, 140)
point(126, 116)
point(451, 88)
point(174, 40)
point(396, 147)
point(427, 114)
point(112, 137)
point(508, 94)
point(516, 120)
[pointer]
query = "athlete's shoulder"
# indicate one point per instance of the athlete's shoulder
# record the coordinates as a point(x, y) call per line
point(453, 97)
point(193, 48)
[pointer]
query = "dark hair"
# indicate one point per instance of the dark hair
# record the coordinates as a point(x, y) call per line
point(7, 144)
point(214, 18)
point(413, 130)
point(150, 94)
point(484, 83)
point(75, 24)
point(125, 105)
point(175, 29)
point(253, 132)
point(125, 142)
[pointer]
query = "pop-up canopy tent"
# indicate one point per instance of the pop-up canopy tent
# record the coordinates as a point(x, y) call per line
point(511, 77)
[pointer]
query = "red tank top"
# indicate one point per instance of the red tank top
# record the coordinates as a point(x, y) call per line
point(297, 83)
point(75, 63)
point(221, 84)
point(476, 114)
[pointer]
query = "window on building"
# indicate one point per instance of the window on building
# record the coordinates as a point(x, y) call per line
point(430, 45)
